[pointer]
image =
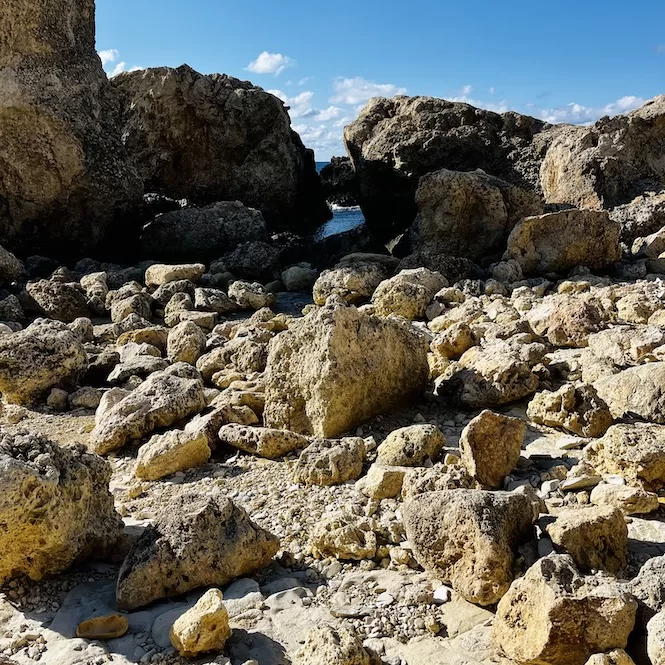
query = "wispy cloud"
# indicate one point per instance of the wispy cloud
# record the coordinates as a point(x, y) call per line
point(112, 64)
point(270, 63)
point(580, 114)
point(358, 90)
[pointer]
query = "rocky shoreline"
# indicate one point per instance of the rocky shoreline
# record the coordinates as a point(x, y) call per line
point(224, 441)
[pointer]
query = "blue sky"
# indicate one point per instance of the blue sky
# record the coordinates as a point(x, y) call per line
point(564, 62)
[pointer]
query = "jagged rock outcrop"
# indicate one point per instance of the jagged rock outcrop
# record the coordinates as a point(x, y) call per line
point(64, 175)
point(339, 182)
point(608, 163)
point(394, 142)
point(55, 506)
point(215, 138)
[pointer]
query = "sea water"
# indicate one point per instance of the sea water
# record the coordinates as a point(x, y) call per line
point(345, 218)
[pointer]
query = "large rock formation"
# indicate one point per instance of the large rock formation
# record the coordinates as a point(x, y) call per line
point(394, 142)
point(338, 367)
point(215, 138)
point(55, 506)
point(64, 177)
point(468, 214)
point(339, 182)
point(609, 163)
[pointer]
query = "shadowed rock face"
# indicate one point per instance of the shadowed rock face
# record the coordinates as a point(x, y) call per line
point(64, 177)
point(394, 142)
point(215, 138)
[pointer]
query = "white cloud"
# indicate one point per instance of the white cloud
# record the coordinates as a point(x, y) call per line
point(108, 56)
point(300, 105)
point(358, 90)
point(579, 114)
point(492, 90)
point(325, 141)
point(467, 90)
point(270, 63)
point(331, 113)
point(305, 81)
point(111, 64)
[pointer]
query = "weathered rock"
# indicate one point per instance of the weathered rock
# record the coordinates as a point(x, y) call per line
point(382, 482)
point(344, 537)
point(560, 241)
point(194, 234)
point(139, 304)
point(299, 278)
point(624, 346)
point(614, 657)
point(411, 446)
point(490, 446)
point(175, 450)
point(595, 537)
point(634, 452)
point(262, 441)
point(332, 646)
point(63, 302)
point(338, 367)
point(161, 273)
point(338, 180)
point(566, 321)
point(576, 408)
point(65, 178)
point(162, 399)
point(330, 462)
point(489, 376)
point(394, 142)
point(186, 343)
point(644, 215)
point(649, 590)
point(11, 268)
point(44, 355)
point(408, 293)
point(656, 639)
point(453, 341)
point(439, 477)
point(55, 506)
point(353, 283)
point(469, 538)
point(637, 390)
point(250, 153)
point(197, 540)
point(250, 295)
point(629, 500)
point(555, 615)
point(608, 163)
point(203, 628)
point(213, 300)
point(468, 214)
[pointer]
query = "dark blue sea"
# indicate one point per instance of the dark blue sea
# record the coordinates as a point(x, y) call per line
point(344, 218)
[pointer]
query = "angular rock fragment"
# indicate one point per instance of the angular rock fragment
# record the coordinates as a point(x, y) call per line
point(338, 367)
point(161, 400)
point(469, 538)
point(330, 462)
point(44, 355)
point(595, 537)
point(197, 540)
point(557, 616)
point(411, 446)
point(490, 446)
point(262, 441)
point(55, 506)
